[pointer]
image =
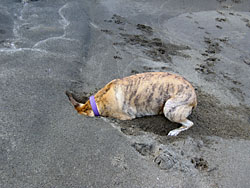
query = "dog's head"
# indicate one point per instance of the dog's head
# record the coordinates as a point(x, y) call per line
point(84, 109)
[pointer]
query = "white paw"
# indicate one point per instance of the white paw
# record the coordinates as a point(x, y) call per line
point(174, 133)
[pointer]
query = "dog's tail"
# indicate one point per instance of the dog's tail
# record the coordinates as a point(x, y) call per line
point(72, 100)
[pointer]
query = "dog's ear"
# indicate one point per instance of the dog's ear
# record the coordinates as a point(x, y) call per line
point(72, 100)
point(81, 108)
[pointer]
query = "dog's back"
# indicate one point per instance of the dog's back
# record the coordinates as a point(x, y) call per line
point(146, 93)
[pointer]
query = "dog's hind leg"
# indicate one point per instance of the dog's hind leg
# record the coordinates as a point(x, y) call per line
point(177, 111)
point(186, 124)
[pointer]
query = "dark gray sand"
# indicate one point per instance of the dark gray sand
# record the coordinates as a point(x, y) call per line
point(47, 47)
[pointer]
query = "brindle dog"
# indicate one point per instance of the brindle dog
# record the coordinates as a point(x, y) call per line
point(144, 94)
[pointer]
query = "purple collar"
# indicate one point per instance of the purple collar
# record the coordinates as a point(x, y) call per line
point(93, 105)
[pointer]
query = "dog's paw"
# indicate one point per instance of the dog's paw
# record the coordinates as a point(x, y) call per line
point(174, 132)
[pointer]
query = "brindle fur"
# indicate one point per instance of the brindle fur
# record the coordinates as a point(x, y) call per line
point(142, 95)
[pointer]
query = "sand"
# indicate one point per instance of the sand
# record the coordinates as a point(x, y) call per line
point(47, 47)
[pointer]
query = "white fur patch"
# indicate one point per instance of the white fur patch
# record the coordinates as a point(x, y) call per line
point(120, 97)
point(186, 125)
point(174, 132)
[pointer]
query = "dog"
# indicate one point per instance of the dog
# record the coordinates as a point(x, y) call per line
point(143, 94)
